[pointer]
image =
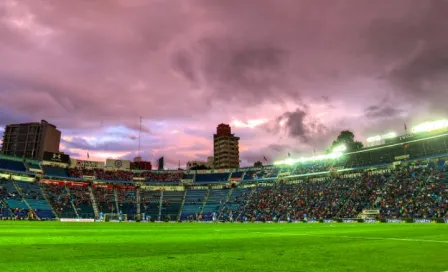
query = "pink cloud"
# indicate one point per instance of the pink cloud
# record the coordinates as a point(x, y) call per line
point(186, 66)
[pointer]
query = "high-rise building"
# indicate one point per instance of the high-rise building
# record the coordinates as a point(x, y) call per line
point(31, 140)
point(226, 148)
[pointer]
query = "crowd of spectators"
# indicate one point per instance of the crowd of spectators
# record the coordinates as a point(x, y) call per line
point(80, 197)
point(407, 192)
point(59, 199)
point(105, 199)
point(171, 176)
point(127, 200)
point(122, 175)
point(307, 168)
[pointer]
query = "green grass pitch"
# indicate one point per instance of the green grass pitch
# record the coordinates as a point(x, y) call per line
point(55, 246)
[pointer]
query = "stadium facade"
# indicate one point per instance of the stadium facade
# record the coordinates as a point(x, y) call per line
point(405, 178)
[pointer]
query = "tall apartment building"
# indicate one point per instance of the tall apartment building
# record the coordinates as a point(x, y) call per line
point(226, 148)
point(30, 140)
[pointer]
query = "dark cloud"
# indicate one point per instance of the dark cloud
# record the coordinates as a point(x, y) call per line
point(382, 112)
point(298, 124)
point(78, 64)
point(415, 52)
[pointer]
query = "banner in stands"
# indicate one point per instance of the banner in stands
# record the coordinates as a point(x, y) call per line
point(403, 157)
point(104, 186)
point(77, 184)
point(36, 170)
point(186, 181)
point(77, 220)
point(22, 178)
point(56, 157)
point(53, 182)
point(74, 163)
point(3, 175)
point(118, 164)
point(422, 221)
point(124, 187)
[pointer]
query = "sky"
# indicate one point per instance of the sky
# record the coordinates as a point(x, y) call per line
point(287, 75)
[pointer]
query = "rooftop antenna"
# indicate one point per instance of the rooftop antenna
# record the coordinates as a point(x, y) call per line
point(139, 135)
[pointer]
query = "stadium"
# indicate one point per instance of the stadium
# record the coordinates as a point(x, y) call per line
point(349, 204)
point(223, 135)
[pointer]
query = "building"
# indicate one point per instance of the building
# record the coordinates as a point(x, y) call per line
point(31, 140)
point(201, 164)
point(226, 148)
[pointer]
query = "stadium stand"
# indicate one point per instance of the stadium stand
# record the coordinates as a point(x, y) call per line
point(105, 198)
point(80, 197)
point(127, 201)
point(400, 179)
point(150, 203)
point(33, 165)
point(236, 176)
point(194, 201)
point(12, 165)
point(215, 200)
point(171, 204)
point(32, 194)
point(60, 200)
point(54, 171)
point(212, 178)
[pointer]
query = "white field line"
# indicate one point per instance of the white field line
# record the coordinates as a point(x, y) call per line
point(356, 237)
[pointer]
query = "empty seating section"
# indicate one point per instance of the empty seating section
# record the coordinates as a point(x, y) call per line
point(194, 201)
point(236, 175)
point(188, 176)
point(172, 201)
point(216, 199)
point(12, 204)
point(12, 165)
point(105, 198)
point(33, 165)
point(18, 204)
point(150, 203)
point(81, 199)
point(211, 178)
point(127, 202)
point(32, 193)
point(53, 171)
point(59, 199)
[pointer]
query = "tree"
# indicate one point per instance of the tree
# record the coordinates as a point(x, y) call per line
point(347, 138)
point(200, 167)
point(258, 164)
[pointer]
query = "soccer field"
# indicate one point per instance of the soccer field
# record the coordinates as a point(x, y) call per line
point(55, 246)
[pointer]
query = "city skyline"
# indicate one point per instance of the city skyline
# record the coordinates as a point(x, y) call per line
point(287, 76)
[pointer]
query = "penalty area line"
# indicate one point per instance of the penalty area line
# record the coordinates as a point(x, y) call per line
point(354, 237)
point(383, 238)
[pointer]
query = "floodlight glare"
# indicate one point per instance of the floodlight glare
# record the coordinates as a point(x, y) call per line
point(378, 138)
point(340, 148)
point(374, 139)
point(389, 135)
point(430, 126)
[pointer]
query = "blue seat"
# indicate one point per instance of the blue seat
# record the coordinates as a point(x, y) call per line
point(55, 171)
point(16, 204)
point(12, 165)
point(212, 178)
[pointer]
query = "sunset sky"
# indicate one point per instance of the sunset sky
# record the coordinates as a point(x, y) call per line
point(287, 75)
